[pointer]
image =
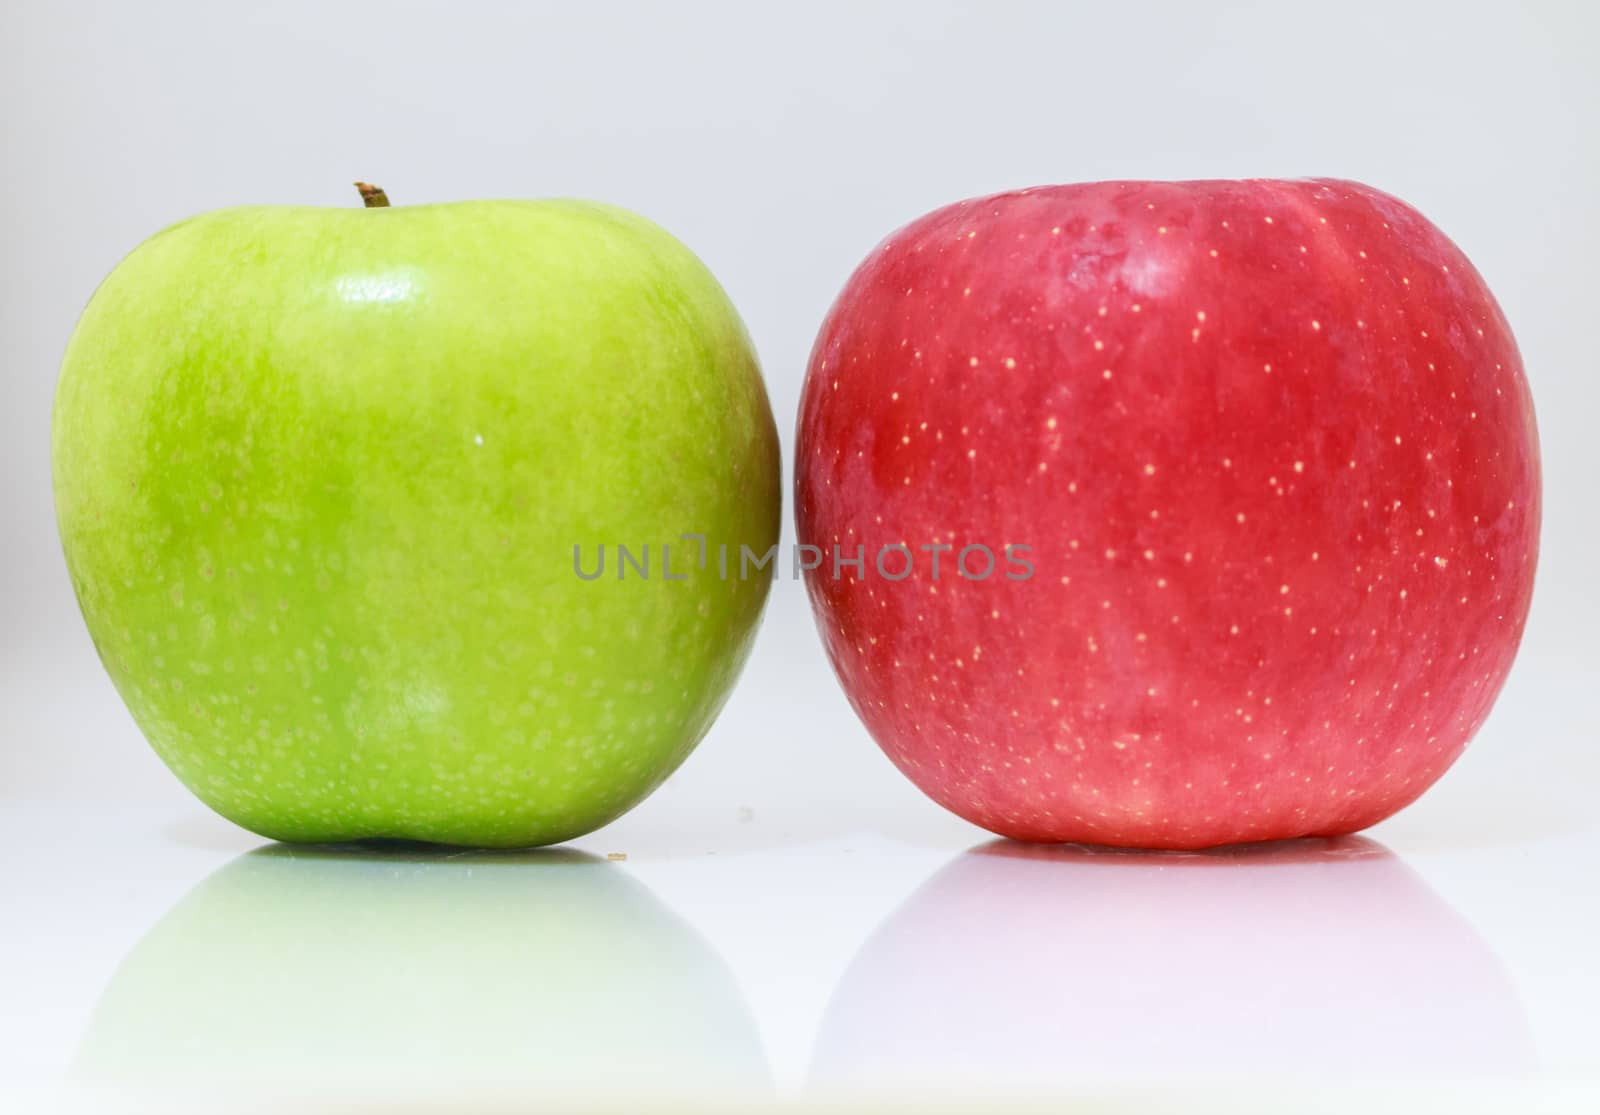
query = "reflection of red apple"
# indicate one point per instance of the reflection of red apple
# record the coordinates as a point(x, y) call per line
point(1272, 450)
point(1054, 966)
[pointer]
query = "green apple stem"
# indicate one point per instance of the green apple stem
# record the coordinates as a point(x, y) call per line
point(372, 196)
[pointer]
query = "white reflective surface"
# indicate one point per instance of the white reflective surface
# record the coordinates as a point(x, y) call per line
point(841, 946)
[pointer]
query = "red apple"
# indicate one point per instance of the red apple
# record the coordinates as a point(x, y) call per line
point(1272, 454)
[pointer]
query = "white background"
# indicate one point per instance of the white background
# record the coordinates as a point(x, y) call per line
point(780, 143)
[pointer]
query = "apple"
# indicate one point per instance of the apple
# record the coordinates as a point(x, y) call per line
point(1068, 967)
point(542, 972)
point(1236, 487)
point(322, 479)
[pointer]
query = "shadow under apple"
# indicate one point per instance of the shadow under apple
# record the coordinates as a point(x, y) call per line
point(1026, 968)
point(549, 972)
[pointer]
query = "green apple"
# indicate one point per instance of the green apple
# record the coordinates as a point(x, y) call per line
point(320, 475)
point(544, 974)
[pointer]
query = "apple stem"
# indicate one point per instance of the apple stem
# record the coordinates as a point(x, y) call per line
point(372, 196)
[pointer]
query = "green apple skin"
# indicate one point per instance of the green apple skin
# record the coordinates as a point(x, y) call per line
point(319, 475)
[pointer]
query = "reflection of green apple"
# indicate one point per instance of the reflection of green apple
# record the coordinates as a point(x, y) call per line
point(320, 474)
point(548, 971)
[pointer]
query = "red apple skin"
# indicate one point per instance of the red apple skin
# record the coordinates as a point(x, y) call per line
point(1272, 448)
